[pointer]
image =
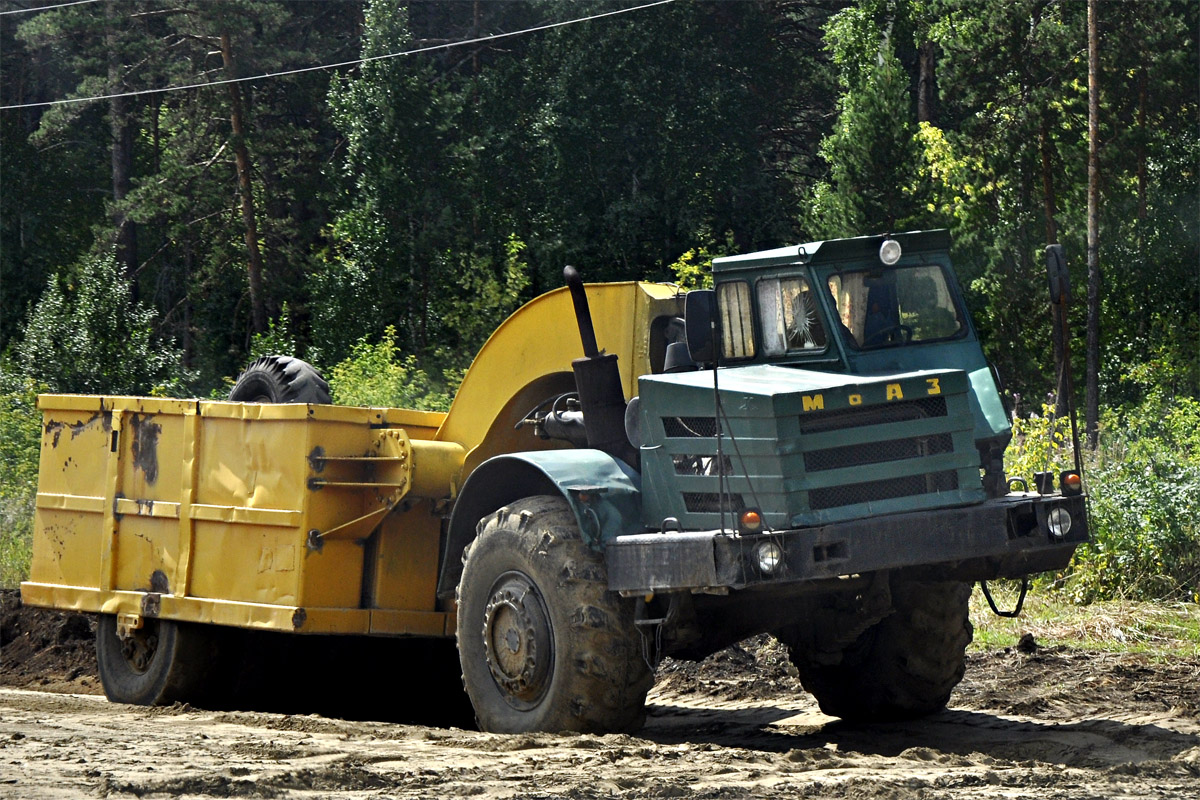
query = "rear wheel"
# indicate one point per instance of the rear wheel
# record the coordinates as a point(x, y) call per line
point(903, 666)
point(160, 663)
point(543, 644)
point(280, 379)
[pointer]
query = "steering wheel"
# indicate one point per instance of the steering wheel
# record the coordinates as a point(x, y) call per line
point(893, 334)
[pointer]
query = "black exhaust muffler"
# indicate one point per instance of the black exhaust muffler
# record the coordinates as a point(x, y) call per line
point(598, 381)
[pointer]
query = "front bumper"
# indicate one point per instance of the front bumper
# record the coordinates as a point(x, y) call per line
point(1005, 537)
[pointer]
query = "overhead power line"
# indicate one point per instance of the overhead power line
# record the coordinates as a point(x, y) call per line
point(354, 63)
point(46, 8)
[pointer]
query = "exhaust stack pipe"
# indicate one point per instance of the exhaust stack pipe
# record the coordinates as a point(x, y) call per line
point(598, 381)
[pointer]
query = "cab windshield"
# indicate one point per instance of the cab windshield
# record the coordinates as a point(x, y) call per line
point(890, 306)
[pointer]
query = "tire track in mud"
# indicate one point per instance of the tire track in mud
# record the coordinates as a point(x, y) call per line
point(694, 745)
point(1055, 722)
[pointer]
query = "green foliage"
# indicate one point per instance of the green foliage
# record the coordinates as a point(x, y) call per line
point(1145, 507)
point(91, 338)
point(20, 440)
point(693, 269)
point(872, 153)
point(496, 291)
point(1006, 163)
point(278, 338)
point(1041, 443)
point(1162, 630)
point(1143, 485)
point(380, 375)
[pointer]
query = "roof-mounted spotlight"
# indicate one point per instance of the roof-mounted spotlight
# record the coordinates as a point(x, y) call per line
point(889, 252)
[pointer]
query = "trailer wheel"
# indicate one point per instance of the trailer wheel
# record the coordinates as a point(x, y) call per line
point(543, 644)
point(280, 379)
point(902, 667)
point(160, 663)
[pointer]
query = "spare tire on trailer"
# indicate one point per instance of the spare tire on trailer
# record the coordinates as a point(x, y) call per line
point(281, 379)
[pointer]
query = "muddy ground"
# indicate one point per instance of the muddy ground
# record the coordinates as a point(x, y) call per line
point(1050, 723)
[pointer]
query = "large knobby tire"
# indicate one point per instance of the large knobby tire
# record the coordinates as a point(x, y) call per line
point(543, 644)
point(903, 666)
point(160, 663)
point(281, 379)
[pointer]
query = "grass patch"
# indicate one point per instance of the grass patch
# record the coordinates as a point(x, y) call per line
point(1161, 629)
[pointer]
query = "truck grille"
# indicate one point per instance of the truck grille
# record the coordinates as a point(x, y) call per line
point(690, 427)
point(900, 411)
point(858, 455)
point(890, 489)
point(701, 465)
point(807, 456)
point(710, 502)
point(861, 455)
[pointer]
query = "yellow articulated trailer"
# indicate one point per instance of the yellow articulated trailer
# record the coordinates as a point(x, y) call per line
point(813, 449)
point(170, 516)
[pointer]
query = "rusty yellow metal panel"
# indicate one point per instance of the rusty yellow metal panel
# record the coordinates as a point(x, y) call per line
point(417, 424)
point(406, 560)
point(75, 443)
point(145, 530)
point(239, 514)
point(76, 433)
point(66, 547)
point(246, 563)
point(411, 623)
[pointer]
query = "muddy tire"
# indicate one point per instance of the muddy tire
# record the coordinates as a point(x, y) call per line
point(280, 379)
point(903, 666)
point(161, 663)
point(543, 644)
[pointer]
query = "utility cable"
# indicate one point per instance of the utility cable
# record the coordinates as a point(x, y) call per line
point(354, 63)
point(46, 8)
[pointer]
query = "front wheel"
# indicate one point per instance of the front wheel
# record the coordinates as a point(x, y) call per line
point(903, 666)
point(161, 662)
point(543, 644)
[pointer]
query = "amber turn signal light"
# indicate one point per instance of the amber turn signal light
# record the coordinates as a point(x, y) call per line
point(750, 521)
point(1071, 483)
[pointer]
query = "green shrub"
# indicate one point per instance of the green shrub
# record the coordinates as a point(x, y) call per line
point(20, 440)
point(1143, 485)
point(1144, 509)
point(86, 335)
point(278, 339)
point(1040, 443)
point(379, 375)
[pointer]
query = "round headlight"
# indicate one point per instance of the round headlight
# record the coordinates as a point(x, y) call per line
point(1059, 522)
point(770, 556)
point(889, 251)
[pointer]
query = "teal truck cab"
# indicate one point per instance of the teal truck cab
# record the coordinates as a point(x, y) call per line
point(823, 460)
point(818, 455)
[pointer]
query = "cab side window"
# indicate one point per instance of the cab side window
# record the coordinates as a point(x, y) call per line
point(737, 320)
point(790, 321)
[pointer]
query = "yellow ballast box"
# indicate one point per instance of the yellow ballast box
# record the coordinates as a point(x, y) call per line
point(311, 518)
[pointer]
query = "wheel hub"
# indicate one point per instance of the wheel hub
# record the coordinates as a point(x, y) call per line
point(517, 639)
point(138, 649)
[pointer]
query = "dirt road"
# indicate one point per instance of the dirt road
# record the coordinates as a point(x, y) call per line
point(704, 738)
point(1051, 723)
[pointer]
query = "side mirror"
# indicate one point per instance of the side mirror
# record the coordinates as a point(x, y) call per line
point(700, 318)
point(1056, 271)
